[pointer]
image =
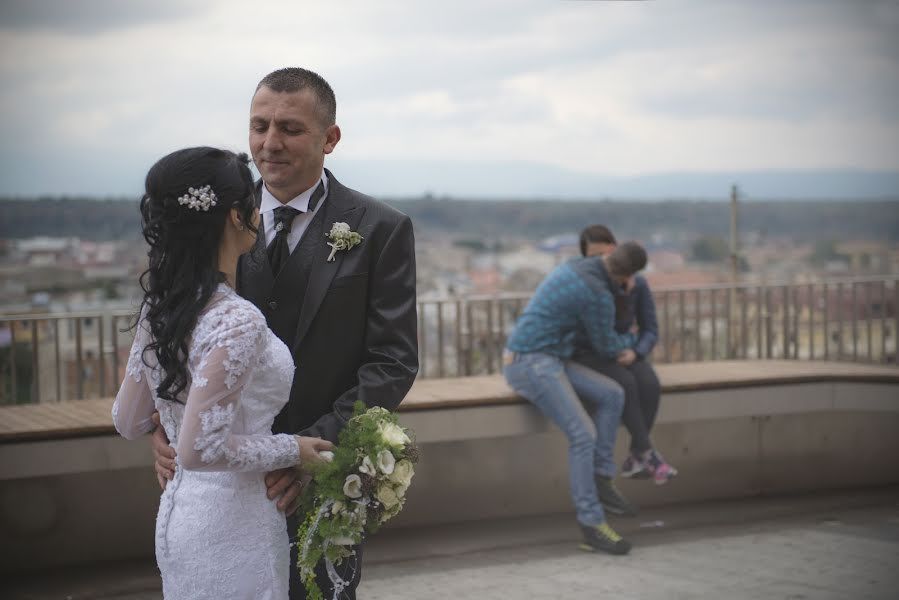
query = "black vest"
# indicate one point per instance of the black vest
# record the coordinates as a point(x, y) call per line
point(281, 298)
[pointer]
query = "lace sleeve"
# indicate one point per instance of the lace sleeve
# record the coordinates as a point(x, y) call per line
point(208, 440)
point(134, 407)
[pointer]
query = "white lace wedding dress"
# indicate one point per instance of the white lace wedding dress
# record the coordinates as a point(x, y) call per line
point(217, 534)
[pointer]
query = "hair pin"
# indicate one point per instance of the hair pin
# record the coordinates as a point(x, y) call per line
point(199, 199)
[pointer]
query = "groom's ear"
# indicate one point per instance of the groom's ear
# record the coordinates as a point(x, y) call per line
point(332, 136)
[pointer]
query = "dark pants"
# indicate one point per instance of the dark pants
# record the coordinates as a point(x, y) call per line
point(641, 396)
point(345, 569)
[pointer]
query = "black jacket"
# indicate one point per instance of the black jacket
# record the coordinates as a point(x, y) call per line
point(351, 324)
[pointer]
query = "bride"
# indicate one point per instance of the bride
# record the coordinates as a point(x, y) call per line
point(205, 360)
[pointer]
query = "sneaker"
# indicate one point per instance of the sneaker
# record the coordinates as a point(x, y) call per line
point(602, 537)
point(662, 472)
point(613, 500)
point(634, 468)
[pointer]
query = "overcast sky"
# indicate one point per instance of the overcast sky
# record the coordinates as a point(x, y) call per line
point(94, 91)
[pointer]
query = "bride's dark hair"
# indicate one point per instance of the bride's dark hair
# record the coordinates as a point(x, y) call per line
point(183, 270)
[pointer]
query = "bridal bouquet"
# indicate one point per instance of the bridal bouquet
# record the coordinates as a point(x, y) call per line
point(362, 485)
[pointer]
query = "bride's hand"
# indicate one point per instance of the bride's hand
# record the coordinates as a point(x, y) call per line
point(310, 447)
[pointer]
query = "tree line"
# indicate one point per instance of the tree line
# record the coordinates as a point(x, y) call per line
point(804, 221)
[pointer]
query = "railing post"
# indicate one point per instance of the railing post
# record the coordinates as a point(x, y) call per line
point(826, 291)
point(101, 355)
point(855, 321)
point(727, 336)
point(840, 333)
point(440, 368)
point(58, 361)
point(667, 320)
point(769, 325)
point(458, 326)
point(115, 350)
point(79, 367)
point(797, 319)
point(811, 321)
point(14, 392)
point(883, 321)
point(422, 342)
point(35, 366)
point(469, 356)
point(896, 322)
point(681, 298)
point(786, 321)
point(744, 327)
point(869, 296)
point(491, 341)
point(697, 324)
point(759, 310)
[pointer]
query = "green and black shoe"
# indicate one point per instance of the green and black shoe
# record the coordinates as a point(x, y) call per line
point(612, 500)
point(602, 537)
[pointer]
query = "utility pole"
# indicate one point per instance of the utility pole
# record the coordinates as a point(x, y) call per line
point(734, 246)
point(734, 275)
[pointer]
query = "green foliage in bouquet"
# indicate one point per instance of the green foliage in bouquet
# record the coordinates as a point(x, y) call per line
point(353, 494)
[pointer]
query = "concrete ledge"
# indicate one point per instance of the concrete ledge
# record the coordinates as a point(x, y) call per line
point(86, 418)
point(95, 498)
point(78, 437)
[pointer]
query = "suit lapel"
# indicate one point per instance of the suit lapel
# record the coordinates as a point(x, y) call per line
point(338, 207)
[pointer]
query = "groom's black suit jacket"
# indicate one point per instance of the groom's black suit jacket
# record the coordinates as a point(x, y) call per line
point(351, 323)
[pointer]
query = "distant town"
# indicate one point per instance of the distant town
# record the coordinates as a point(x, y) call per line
point(59, 255)
point(69, 272)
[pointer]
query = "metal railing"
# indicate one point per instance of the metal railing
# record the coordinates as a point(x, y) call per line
point(845, 319)
point(54, 357)
point(63, 356)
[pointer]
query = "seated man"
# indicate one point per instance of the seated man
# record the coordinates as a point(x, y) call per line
point(575, 297)
point(631, 369)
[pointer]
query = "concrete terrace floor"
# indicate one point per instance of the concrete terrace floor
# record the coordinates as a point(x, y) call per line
point(824, 546)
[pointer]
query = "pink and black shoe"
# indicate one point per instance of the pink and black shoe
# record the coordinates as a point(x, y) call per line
point(634, 468)
point(662, 472)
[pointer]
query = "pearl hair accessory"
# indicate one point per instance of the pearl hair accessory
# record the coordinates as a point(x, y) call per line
point(198, 199)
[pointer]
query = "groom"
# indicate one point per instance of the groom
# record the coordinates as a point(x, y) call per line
point(350, 318)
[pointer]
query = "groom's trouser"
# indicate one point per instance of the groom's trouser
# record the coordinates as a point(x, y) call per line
point(349, 570)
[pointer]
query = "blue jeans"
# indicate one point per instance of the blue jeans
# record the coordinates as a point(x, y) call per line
point(569, 393)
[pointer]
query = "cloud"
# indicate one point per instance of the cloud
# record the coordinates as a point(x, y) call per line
point(596, 87)
point(86, 17)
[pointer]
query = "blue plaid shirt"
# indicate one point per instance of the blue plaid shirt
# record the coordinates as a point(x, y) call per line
point(573, 298)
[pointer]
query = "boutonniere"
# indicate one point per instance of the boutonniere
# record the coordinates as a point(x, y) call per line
point(342, 238)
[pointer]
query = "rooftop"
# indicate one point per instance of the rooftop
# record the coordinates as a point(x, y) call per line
point(822, 546)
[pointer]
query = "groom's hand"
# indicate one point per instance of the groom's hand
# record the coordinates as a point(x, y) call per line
point(163, 453)
point(286, 485)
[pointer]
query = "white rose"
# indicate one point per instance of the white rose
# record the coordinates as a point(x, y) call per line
point(400, 490)
point(393, 434)
point(343, 540)
point(339, 228)
point(377, 412)
point(402, 473)
point(387, 496)
point(367, 467)
point(386, 462)
point(352, 487)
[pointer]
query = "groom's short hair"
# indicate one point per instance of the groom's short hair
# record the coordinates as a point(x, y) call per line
point(295, 79)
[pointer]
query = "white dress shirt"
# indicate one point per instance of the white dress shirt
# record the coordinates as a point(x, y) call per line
point(300, 222)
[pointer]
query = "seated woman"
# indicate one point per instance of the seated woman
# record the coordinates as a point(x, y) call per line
point(631, 369)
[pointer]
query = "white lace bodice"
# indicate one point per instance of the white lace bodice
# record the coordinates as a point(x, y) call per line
point(217, 534)
point(240, 378)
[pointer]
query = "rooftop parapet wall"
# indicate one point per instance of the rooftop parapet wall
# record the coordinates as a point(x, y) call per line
point(733, 429)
